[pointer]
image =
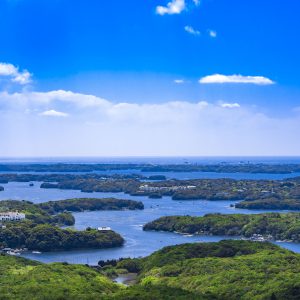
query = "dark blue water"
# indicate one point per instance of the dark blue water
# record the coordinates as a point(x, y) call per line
point(127, 223)
point(166, 160)
point(157, 160)
point(208, 175)
point(180, 175)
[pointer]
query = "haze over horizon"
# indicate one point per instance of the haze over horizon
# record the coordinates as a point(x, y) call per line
point(160, 78)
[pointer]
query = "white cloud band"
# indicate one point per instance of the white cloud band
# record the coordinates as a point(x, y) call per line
point(218, 78)
point(100, 127)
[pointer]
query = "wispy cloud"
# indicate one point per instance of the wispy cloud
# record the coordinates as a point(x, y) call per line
point(173, 7)
point(196, 2)
point(14, 74)
point(218, 78)
point(179, 81)
point(53, 113)
point(230, 105)
point(191, 30)
point(212, 33)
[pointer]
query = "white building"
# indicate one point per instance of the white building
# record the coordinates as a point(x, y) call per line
point(11, 216)
point(148, 188)
point(104, 228)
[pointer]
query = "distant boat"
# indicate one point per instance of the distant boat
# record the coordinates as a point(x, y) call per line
point(36, 252)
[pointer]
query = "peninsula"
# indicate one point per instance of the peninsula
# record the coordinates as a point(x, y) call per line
point(268, 226)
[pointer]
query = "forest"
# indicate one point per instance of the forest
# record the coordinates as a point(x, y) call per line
point(222, 167)
point(46, 238)
point(227, 270)
point(273, 226)
point(89, 204)
point(36, 215)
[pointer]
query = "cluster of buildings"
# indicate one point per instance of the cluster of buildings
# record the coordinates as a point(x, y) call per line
point(261, 238)
point(11, 216)
point(148, 188)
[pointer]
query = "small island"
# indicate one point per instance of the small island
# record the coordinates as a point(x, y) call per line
point(47, 237)
point(90, 204)
point(267, 226)
point(270, 203)
point(1, 188)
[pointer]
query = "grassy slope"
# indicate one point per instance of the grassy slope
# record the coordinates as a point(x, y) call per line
point(225, 270)
point(24, 279)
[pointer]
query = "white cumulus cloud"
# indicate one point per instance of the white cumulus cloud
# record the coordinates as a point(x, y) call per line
point(53, 113)
point(219, 78)
point(173, 7)
point(212, 33)
point(230, 105)
point(191, 30)
point(14, 74)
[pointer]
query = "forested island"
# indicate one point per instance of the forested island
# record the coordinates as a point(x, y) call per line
point(222, 167)
point(254, 194)
point(205, 189)
point(96, 185)
point(202, 271)
point(89, 204)
point(1, 188)
point(52, 177)
point(223, 189)
point(271, 203)
point(270, 226)
point(40, 230)
point(46, 237)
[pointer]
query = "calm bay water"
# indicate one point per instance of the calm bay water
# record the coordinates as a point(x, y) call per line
point(127, 223)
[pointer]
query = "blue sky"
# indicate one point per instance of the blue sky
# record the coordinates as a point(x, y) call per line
point(164, 77)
